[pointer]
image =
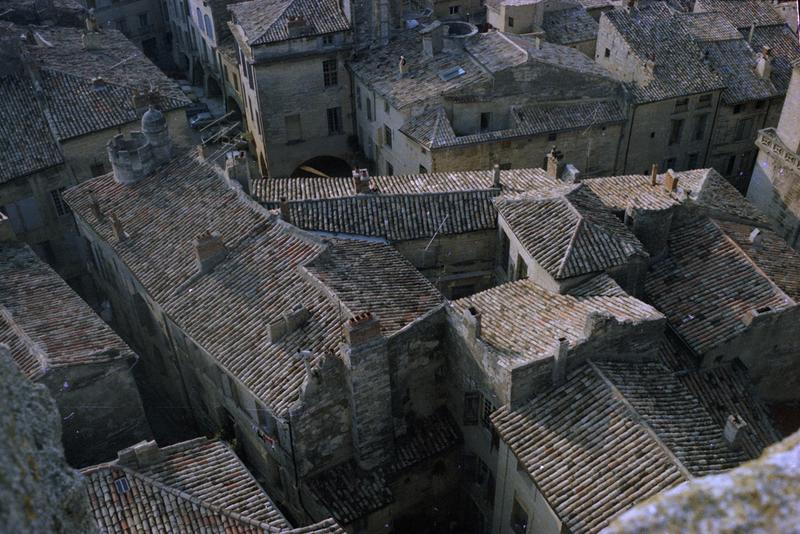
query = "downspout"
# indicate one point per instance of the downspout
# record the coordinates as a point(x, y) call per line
point(296, 475)
point(628, 144)
point(711, 135)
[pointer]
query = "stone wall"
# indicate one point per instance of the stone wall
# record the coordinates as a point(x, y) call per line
point(39, 491)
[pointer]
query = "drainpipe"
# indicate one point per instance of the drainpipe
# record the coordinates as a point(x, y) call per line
point(296, 475)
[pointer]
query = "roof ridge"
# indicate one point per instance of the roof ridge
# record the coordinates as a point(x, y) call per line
point(574, 235)
point(34, 349)
point(641, 421)
point(289, 3)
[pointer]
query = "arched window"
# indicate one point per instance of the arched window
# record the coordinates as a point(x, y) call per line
point(209, 28)
point(199, 18)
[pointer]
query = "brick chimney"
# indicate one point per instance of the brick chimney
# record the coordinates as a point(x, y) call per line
point(653, 174)
point(472, 319)
point(6, 231)
point(554, 158)
point(560, 362)
point(237, 169)
point(296, 25)
point(764, 63)
point(283, 205)
point(366, 359)
point(288, 322)
point(140, 455)
point(496, 183)
point(209, 250)
point(402, 66)
point(119, 230)
point(361, 181)
point(670, 181)
point(432, 38)
point(94, 205)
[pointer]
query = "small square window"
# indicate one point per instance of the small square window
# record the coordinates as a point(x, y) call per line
point(423, 170)
point(386, 106)
point(327, 40)
point(510, 22)
point(607, 53)
point(330, 72)
point(486, 414)
point(704, 101)
point(389, 169)
point(454, 10)
point(122, 485)
point(737, 109)
point(58, 201)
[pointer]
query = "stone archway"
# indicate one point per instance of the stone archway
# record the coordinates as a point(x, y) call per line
point(323, 166)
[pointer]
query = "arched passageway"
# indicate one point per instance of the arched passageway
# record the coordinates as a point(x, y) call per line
point(323, 166)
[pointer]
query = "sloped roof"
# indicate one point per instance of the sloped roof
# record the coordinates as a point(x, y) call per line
point(522, 322)
point(568, 232)
point(198, 486)
point(784, 48)
point(44, 322)
point(569, 26)
point(707, 285)
point(258, 281)
point(612, 435)
point(266, 21)
point(742, 13)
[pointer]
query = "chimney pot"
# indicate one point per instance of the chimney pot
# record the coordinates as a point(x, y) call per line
point(209, 250)
point(560, 361)
point(432, 38)
point(497, 184)
point(403, 66)
point(653, 174)
point(554, 158)
point(362, 328)
point(756, 238)
point(472, 318)
point(361, 181)
point(142, 454)
point(94, 204)
point(734, 431)
point(670, 181)
point(118, 228)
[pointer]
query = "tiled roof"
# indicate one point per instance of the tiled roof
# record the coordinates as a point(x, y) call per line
point(433, 129)
point(555, 55)
point(199, 486)
point(378, 68)
point(601, 285)
point(784, 49)
point(710, 26)
point(495, 51)
point(568, 232)
point(522, 322)
point(26, 143)
point(401, 207)
point(707, 285)
point(266, 21)
point(773, 256)
point(705, 188)
point(742, 13)
point(735, 62)
point(723, 390)
point(362, 274)
point(657, 31)
point(349, 492)
point(569, 26)
point(270, 191)
point(44, 322)
point(612, 435)
point(258, 281)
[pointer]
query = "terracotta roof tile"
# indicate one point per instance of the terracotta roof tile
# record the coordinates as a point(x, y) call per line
point(266, 21)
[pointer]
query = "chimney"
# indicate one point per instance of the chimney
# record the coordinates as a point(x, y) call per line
point(365, 355)
point(140, 455)
point(118, 228)
point(284, 207)
point(571, 174)
point(554, 158)
point(288, 322)
point(432, 38)
point(537, 43)
point(209, 250)
point(154, 129)
point(6, 231)
point(560, 361)
point(90, 40)
point(131, 159)
point(296, 25)
point(750, 34)
point(764, 63)
point(140, 102)
point(472, 318)
point(497, 184)
point(237, 169)
point(403, 66)
point(653, 174)
point(361, 181)
point(94, 205)
point(734, 431)
point(670, 181)
point(757, 238)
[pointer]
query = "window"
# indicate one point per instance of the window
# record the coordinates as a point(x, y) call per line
point(522, 268)
point(454, 10)
point(505, 245)
point(471, 406)
point(682, 104)
point(486, 414)
point(142, 20)
point(505, 166)
point(704, 101)
point(519, 518)
point(24, 215)
point(552, 136)
point(330, 73)
point(675, 131)
point(369, 109)
point(423, 170)
point(250, 76)
point(389, 169)
point(490, 488)
point(334, 121)
point(327, 40)
point(700, 126)
point(199, 15)
point(607, 53)
point(122, 485)
point(386, 106)
point(743, 129)
point(387, 136)
point(729, 166)
point(358, 97)
point(294, 131)
point(737, 109)
point(209, 27)
point(510, 22)
point(691, 161)
point(58, 201)
point(486, 119)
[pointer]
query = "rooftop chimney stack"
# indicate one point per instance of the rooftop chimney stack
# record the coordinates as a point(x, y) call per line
point(497, 184)
point(750, 34)
point(94, 205)
point(554, 158)
point(284, 207)
point(472, 318)
point(237, 169)
point(757, 238)
point(403, 66)
point(154, 128)
point(131, 159)
point(560, 361)
point(653, 174)
point(670, 181)
point(296, 26)
point(571, 174)
point(764, 63)
point(432, 38)
point(142, 454)
point(734, 432)
point(118, 228)
point(361, 181)
point(209, 251)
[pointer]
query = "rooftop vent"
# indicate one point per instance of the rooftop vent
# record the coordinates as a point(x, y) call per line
point(451, 73)
point(734, 430)
point(122, 485)
point(288, 322)
point(209, 250)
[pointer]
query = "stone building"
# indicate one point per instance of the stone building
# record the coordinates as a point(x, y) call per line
point(320, 356)
point(775, 186)
point(459, 100)
point(58, 341)
point(296, 88)
point(67, 92)
point(40, 491)
point(193, 486)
